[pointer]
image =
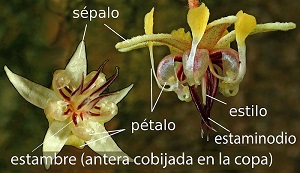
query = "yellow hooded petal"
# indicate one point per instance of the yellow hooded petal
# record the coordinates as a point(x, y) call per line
point(197, 19)
point(148, 22)
point(243, 27)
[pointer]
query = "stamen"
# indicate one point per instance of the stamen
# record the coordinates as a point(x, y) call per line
point(63, 95)
point(104, 86)
point(97, 107)
point(180, 75)
point(68, 111)
point(68, 90)
point(84, 102)
point(74, 118)
point(92, 103)
point(178, 58)
point(93, 80)
point(79, 89)
point(94, 114)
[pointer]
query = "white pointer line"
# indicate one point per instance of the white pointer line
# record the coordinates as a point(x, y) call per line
point(219, 124)
point(151, 92)
point(115, 32)
point(87, 143)
point(84, 32)
point(158, 96)
point(83, 39)
point(52, 136)
point(216, 99)
point(111, 131)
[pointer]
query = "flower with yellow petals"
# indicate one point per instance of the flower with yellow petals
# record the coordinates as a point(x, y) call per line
point(203, 57)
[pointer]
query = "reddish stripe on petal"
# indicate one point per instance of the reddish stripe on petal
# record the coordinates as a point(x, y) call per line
point(90, 83)
point(105, 85)
point(64, 95)
point(74, 116)
point(94, 114)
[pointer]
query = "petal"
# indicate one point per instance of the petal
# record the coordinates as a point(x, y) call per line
point(215, 31)
point(243, 27)
point(174, 42)
point(30, 91)
point(197, 19)
point(196, 69)
point(166, 73)
point(77, 64)
point(148, 22)
point(228, 89)
point(102, 143)
point(75, 141)
point(55, 138)
point(117, 96)
point(107, 111)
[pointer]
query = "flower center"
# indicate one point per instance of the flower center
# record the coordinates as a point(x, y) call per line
point(206, 70)
point(82, 101)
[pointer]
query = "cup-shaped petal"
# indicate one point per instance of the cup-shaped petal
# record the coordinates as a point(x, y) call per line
point(194, 70)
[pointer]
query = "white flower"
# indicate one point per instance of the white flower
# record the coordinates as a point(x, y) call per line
point(76, 108)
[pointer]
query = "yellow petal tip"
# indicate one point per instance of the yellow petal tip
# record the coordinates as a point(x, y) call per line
point(197, 19)
point(148, 22)
point(245, 24)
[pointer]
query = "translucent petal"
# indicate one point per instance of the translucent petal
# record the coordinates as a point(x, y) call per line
point(102, 143)
point(82, 129)
point(197, 19)
point(30, 91)
point(194, 70)
point(61, 79)
point(200, 65)
point(166, 72)
point(77, 65)
point(75, 141)
point(107, 111)
point(230, 64)
point(228, 89)
point(183, 93)
point(55, 138)
point(55, 109)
